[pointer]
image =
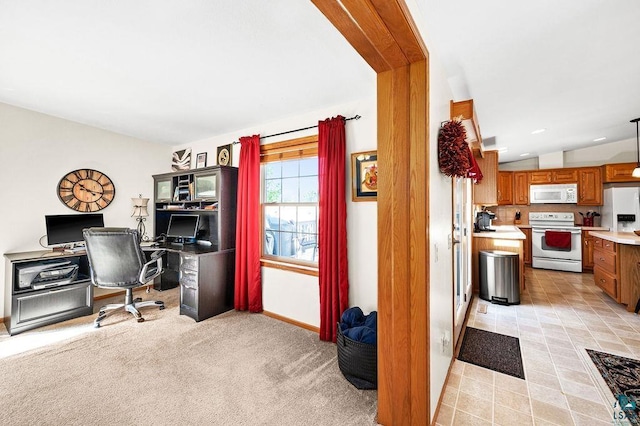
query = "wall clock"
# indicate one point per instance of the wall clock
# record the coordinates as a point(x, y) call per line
point(224, 155)
point(86, 190)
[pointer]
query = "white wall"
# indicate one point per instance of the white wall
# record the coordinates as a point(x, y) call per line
point(294, 295)
point(38, 149)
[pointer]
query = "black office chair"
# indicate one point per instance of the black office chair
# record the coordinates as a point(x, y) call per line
point(117, 261)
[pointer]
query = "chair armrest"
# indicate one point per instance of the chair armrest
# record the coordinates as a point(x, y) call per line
point(155, 259)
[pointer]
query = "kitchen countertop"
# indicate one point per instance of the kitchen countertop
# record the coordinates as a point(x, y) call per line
point(503, 232)
point(584, 228)
point(617, 237)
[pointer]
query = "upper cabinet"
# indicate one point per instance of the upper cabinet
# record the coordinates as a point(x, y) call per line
point(590, 186)
point(554, 176)
point(505, 188)
point(521, 188)
point(619, 172)
point(485, 192)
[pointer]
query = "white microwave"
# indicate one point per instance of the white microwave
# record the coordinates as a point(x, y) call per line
point(565, 193)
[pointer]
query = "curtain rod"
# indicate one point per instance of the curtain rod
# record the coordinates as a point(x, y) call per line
point(355, 117)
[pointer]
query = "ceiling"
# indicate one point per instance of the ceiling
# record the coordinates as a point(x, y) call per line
point(176, 72)
point(570, 67)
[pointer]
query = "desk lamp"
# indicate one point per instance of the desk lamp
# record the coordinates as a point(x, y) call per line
point(140, 211)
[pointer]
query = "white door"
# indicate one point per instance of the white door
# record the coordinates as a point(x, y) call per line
point(462, 229)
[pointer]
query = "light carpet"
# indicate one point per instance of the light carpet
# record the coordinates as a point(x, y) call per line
point(233, 369)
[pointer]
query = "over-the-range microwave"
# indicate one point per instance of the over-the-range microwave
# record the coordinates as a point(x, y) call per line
point(564, 193)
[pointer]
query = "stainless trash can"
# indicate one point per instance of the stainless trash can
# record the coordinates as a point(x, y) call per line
point(499, 273)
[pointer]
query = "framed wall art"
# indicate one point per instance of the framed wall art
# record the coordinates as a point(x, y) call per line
point(201, 160)
point(364, 176)
point(181, 160)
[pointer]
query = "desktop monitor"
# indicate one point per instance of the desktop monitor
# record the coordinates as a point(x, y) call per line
point(65, 229)
point(183, 227)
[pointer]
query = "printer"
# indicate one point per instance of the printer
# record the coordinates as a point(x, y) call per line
point(45, 274)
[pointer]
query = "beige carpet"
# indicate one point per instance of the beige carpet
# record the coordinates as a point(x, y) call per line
point(233, 369)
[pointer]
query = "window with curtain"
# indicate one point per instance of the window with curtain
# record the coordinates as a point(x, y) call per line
point(290, 204)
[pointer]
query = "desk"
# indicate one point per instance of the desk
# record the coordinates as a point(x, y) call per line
point(205, 274)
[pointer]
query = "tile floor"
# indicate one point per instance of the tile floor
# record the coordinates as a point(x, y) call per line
point(560, 314)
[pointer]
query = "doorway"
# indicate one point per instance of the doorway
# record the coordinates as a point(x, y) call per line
point(461, 238)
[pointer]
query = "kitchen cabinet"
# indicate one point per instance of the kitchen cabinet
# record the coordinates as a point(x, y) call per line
point(505, 188)
point(526, 248)
point(589, 186)
point(619, 172)
point(606, 269)
point(485, 192)
point(521, 188)
point(587, 251)
point(553, 176)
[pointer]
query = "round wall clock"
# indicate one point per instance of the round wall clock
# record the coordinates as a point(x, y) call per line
point(224, 155)
point(86, 190)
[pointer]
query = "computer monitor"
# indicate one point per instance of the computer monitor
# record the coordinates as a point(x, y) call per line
point(63, 229)
point(183, 228)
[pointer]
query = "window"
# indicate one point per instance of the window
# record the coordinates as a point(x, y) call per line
point(290, 202)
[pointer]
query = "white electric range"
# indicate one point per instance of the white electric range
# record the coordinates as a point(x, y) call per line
point(565, 258)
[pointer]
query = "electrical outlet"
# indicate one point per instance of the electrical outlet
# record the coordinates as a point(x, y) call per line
point(445, 340)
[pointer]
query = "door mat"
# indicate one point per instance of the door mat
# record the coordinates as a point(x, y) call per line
point(494, 351)
point(622, 376)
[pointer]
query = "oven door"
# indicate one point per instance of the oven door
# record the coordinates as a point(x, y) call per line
point(540, 248)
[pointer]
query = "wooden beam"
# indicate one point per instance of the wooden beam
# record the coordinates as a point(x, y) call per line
point(350, 29)
point(402, 28)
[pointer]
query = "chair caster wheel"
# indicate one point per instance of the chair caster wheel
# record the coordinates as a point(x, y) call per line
point(137, 299)
point(96, 325)
point(140, 319)
point(161, 307)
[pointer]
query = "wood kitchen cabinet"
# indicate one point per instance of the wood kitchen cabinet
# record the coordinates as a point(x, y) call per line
point(505, 188)
point(526, 247)
point(521, 188)
point(554, 176)
point(587, 251)
point(589, 186)
point(606, 269)
point(485, 192)
point(619, 172)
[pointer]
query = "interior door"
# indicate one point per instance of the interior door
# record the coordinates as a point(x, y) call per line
point(461, 236)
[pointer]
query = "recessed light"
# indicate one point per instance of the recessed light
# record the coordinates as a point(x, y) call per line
point(524, 155)
point(600, 139)
point(535, 132)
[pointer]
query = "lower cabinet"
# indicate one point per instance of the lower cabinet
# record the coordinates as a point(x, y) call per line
point(587, 251)
point(206, 283)
point(526, 248)
point(606, 267)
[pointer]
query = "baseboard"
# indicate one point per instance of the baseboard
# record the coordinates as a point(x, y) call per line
point(292, 321)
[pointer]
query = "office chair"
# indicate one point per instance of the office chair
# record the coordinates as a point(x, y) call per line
point(117, 261)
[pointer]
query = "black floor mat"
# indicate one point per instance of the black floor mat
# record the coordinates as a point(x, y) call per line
point(494, 351)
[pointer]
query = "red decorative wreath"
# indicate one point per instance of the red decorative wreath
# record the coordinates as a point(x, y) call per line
point(453, 149)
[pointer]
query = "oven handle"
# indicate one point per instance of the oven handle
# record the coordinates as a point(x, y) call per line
point(542, 231)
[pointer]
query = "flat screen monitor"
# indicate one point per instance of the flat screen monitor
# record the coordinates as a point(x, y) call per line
point(183, 226)
point(67, 228)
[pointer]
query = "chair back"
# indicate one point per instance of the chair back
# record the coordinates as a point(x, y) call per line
point(115, 256)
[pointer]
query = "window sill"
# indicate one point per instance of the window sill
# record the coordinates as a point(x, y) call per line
point(293, 267)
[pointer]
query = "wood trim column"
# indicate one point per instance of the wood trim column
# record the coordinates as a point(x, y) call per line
point(403, 165)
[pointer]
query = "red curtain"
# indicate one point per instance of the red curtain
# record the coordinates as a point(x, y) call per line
point(332, 238)
point(248, 284)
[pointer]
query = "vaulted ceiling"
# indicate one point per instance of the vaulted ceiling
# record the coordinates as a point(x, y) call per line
point(176, 72)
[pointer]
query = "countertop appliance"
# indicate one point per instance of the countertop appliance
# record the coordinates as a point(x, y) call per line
point(483, 221)
point(621, 209)
point(556, 243)
point(564, 193)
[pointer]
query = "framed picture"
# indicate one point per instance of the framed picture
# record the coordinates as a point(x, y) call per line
point(224, 155)
point(364, 176)
point(201, 160)
point(181, 160)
